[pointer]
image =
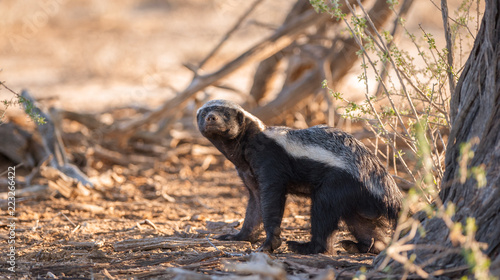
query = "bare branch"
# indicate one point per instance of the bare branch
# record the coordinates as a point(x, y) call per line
point(269, 46)
point(230, 32)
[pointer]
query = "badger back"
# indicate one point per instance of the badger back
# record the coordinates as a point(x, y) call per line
point(339, 149)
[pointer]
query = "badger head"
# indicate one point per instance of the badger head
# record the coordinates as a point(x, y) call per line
point(225, 119)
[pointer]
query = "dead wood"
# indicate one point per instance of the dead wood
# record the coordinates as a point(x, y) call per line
point(197, 258)
point(260, 264)
point(265, 75)
point(53, 145)
point(75, 244)
point(89, 120)
point(283, 37)
point(169, 243)
point(16, 145)
point(67, 268)
point(107, 275)
point(339, 59)
point(120, 158)
point(303, 78)
point(29, 191)
point(267, 70)
point(238, 23)
point(67, 186)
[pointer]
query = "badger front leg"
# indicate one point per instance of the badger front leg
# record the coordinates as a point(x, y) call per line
point(253, 218)
point(251, 224)
point(273, 198)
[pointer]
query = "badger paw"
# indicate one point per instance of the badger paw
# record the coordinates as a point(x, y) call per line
point(270, 245)
point(350, 246)
point(305, 248)
point(358, 247)
point(233, 237)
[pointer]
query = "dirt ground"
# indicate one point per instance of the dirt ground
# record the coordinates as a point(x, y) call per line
point(155, 217)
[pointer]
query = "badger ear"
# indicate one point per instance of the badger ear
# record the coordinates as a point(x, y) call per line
point(240, 117)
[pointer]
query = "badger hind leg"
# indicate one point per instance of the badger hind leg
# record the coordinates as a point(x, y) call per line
point(371, 234)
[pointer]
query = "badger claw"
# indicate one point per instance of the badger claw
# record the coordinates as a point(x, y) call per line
point(305, 248)
point(235, 237)
point(270, 245)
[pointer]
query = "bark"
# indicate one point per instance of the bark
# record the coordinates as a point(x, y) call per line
point(475, 116)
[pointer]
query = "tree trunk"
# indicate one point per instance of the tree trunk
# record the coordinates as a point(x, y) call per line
point(475, 116)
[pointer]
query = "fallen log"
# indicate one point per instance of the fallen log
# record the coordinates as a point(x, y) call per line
point(54, 147)
point(170, 243)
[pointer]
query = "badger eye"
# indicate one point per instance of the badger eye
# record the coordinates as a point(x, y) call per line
point(226, 115)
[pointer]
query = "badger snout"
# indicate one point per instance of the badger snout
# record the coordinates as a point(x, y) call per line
point(211, 119)
point(212, 123)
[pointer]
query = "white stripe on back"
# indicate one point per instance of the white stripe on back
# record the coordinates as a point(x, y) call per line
point(301, 150)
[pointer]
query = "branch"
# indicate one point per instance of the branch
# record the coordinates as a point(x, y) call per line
point(284, 36)
point(341, 61)
point(384, 71)
point(53, 144)
point(230, 32)
point(449, 44)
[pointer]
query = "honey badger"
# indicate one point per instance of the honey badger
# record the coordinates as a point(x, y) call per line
point(344, 179)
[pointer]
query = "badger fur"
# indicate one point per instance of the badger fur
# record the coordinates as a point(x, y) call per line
point(344, 179)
